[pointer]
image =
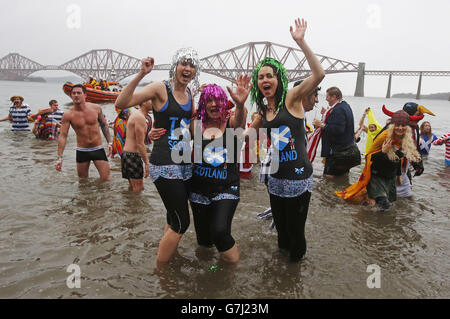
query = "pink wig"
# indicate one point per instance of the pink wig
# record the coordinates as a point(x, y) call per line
point(212, 91)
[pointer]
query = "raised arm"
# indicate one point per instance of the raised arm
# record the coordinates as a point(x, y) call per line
point(294, 95)
point(128, 97)
point(361, 122)
point(239, 97)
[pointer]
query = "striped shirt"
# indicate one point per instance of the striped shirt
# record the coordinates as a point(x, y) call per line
point(440, 141)
point(57, 115)
point(20, 117)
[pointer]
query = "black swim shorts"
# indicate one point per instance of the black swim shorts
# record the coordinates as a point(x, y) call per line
point(87, 156)
point(132, 165)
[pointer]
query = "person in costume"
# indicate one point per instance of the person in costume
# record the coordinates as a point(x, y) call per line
point(426, 138)
point(309, 102)
point(120, 131)
point(445, 139)
point(282, 113)
point(383, 164)
point(19, 114)
point(372, 129)
point(415, 109)
point(45, 127)
point(172, 111)
point(214, 187)
point(55, 112)
point(417, 113)
point(48, 122)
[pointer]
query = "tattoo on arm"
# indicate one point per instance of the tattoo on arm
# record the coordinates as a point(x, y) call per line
point(104, 127)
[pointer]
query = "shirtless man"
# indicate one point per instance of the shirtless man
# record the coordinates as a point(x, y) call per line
point(85, 118)
point(134, 151)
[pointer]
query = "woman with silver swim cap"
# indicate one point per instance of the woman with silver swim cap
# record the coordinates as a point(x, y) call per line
point(172, 109)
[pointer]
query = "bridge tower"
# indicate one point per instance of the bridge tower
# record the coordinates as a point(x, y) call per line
point(359, 91)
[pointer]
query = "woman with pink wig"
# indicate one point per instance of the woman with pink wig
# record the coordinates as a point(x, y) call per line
point(214, 186)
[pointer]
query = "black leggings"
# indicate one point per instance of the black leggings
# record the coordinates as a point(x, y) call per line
point(213, 223)
point(289, 215)
point(174, 195)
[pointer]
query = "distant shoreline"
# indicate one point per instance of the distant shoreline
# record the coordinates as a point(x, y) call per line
point(433, 96)
point(27, 79)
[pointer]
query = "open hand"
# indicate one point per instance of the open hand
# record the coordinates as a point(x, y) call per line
point(201, 88)
point(240, 94)
point(387, 144)
point(300, 28)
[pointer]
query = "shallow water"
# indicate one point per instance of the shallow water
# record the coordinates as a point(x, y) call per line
point(50, 220)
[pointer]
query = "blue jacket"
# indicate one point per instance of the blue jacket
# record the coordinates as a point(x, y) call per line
point(339, 130)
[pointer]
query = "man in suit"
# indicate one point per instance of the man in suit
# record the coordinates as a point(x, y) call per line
point(338, 131)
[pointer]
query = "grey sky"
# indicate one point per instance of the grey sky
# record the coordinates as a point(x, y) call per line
point(399, 34)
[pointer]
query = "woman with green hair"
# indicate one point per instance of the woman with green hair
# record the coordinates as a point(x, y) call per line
point(281, 112)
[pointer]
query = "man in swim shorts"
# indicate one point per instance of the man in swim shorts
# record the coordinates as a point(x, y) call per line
point(85, 119)
point(134, 151)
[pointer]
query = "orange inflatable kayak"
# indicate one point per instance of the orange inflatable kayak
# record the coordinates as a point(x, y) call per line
point(93, 95)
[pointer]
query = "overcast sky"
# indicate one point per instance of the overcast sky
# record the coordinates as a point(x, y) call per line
point(386, 35)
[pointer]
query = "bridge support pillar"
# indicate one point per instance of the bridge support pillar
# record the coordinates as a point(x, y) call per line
point(359, 91)
point(388, 94)
point(419, 87)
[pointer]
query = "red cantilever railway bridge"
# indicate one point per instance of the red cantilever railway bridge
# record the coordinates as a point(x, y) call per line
point(113, 65)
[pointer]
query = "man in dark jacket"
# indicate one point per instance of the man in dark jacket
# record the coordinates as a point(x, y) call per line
point(338, 132)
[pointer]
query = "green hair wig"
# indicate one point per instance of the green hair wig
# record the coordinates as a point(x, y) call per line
point(280, 70)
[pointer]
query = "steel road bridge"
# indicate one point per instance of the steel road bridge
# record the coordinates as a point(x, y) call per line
point(113, 65)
